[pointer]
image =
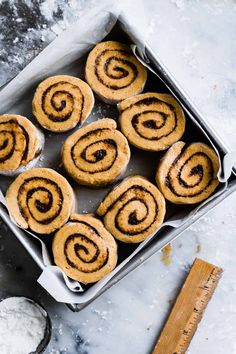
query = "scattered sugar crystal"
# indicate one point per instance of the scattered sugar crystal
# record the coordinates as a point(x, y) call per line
point(179, 4)
point(60, 330)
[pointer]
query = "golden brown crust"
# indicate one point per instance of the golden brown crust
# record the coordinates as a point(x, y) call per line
point(41, 200)
point(84, 249)
point(97, 154)
point(151, 121)
point(61, 102)
point(113, 72)
point(133, 210)
point(187, 173)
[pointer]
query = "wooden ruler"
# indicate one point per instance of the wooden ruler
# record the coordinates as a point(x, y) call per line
point(188, 308)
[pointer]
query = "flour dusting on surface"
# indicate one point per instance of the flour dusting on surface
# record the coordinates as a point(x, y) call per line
point(22, 325)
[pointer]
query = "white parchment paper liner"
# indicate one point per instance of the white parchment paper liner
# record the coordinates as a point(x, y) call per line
point(69, 46)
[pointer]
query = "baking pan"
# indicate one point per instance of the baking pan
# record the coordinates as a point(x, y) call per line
point(160, 80)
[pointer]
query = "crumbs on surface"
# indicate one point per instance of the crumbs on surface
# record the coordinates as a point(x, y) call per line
point(166, 254)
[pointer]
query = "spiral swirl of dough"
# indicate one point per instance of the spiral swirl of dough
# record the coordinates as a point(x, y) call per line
point(41, 200)
point(84, 249)
point(61, 102)
point(20, 142)
point(187, 173)
point(113, 72)
point(96, 154)
point(133, 210)
point(151, 121)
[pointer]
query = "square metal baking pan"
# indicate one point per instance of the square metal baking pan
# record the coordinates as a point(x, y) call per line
point(163, 83)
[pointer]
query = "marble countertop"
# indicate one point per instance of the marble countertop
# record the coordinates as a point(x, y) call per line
point(197, 42)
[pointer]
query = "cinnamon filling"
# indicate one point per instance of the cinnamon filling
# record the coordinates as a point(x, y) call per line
point(42, 207)
point(98, 155)
point(14, 137)
point(152, 123)
point(75, 239)
point(196, 170)
point(132, 218)
point(119, 72)
point(60, 100)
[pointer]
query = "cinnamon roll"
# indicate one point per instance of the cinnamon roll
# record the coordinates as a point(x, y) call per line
point(187, 174)
point(133, 210)
point(151, 121)
point(114, 73)
point(62, 102)
point(97, 154)
point(84, 249)
point(20, 143)
point(41, 200)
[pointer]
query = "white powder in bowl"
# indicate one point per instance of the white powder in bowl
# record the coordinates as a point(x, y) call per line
point(22, 325)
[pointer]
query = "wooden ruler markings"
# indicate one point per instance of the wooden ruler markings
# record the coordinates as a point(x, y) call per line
point(188, 308)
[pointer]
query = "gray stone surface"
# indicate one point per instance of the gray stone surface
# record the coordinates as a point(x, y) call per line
point(26, 27)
